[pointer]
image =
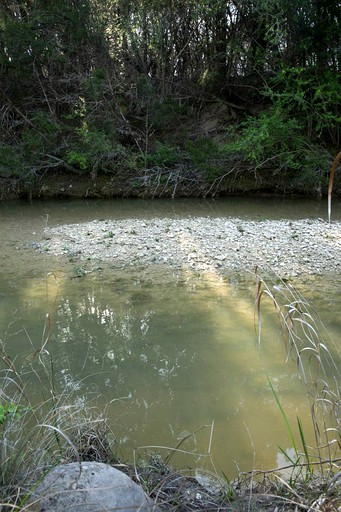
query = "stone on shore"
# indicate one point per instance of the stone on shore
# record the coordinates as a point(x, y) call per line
point(89, 487)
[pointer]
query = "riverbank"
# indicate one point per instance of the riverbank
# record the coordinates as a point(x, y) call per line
point(203, 244)
point(162, 183)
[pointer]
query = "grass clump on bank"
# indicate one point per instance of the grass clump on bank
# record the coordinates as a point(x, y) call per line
point(40, 432)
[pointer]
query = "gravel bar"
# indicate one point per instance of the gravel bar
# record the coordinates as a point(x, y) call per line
point(289, 248)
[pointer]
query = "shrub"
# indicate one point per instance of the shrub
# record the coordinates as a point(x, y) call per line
point(77, 159)
point(276, 141)
point(95, 150)
point(268, 136)
point(164, 155)
point(313, 98)
point(11, 161)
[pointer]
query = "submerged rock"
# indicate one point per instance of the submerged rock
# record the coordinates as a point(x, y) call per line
point(89, 487)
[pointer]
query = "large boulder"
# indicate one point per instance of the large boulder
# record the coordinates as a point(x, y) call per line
point(89, 487)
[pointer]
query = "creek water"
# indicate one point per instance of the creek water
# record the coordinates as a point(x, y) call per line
point(171, 358)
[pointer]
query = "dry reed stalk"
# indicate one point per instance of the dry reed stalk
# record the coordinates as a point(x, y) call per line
point(331, 181)
point(318, 363)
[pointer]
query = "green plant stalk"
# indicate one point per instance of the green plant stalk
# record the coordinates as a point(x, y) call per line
point(286, 421)
point(287, 456)
point(304, 444)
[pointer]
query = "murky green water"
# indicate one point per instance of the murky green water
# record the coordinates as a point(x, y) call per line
point(165, 353)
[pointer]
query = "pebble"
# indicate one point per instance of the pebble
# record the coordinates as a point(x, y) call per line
point(289, 248)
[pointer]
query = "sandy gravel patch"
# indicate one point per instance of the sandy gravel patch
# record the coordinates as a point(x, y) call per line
point(289, 248)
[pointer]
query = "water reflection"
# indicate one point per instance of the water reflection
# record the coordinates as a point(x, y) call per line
point(164, 355)
point(166, 360)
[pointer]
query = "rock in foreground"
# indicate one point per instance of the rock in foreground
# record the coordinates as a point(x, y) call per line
point(89, 487)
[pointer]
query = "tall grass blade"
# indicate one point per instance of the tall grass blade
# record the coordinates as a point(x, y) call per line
point(55, 429)
point(257, 306)
point(318, 363)
point(287, 456)
point(304, 444)
point(286, 421)
point(331, 181)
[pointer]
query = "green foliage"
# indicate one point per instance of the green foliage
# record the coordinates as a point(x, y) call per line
point(312, 98)
point(40, 137)
point(167, 114)
point(95, 150)
point(95, 84)
point(32, 144)
point(277, 141)
point(208, 156)
point(291, 135)
point(79, 160)
point(203, 156)
point(10, 160)
point(164, 155)
point(11, 410)
point(295, 460)
point(285, 418)
point(23, 45)
point(271, 134)
point(201, 150)
point(144, 88)
point(45, 124)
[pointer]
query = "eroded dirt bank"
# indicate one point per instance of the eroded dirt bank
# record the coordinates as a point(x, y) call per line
point(171, 184)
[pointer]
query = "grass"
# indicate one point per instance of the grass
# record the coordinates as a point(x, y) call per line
point(40, 432)
point(318, 364)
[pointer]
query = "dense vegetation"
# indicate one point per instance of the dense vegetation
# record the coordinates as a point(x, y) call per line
point(167, 97)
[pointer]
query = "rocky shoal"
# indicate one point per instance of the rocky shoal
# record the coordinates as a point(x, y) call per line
point(289, 248)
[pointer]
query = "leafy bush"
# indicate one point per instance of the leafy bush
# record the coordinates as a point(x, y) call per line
point(276, 141)
point(10, 160)
point(203, 155)
point(164, 155)
point(79, 160)
point(201, 150)
point(270, 135)
point(39, 138)
point(311, 97)
point(95, 150)
point(95, 84)
point(211, 158)
point(167, 114)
